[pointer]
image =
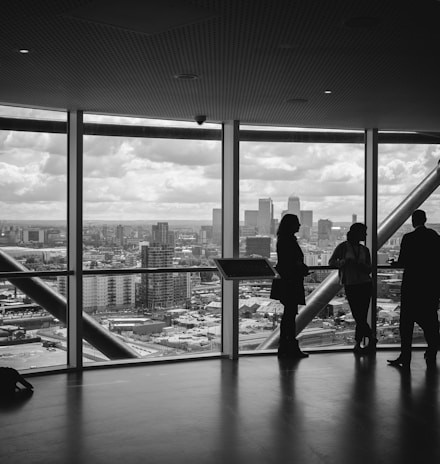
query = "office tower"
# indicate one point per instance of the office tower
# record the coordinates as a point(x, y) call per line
point(182, 289)
point(217, 226)
point(259, 246)
point(157, 289)
point(354, 218)
point(251, 218)
point(160, 233)
point(324, 229)
point(265, 216)
point(293, 206)
point(33, 235)
point(306, 218)
point(104, 292)
point(207, 231)
point(120, 235)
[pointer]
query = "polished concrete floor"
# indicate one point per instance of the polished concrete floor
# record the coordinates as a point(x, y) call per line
point(329, 408)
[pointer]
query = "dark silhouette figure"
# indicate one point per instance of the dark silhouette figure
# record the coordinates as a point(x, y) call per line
point(420, 292)
point(290, 288)
point(354, 263)
point(9, 390)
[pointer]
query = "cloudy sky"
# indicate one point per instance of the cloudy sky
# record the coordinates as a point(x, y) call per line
point(155, 179)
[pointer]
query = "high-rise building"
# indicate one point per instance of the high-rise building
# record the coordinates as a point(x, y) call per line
point(217, 226)
point(159, 233)
point(354, 218)
point(293, 206)
point(265, 216)
point(104, 292)
point(306, 218)
point(182, 289)
point(259, 246)
point(251, 218)
point(157, 289)
point(33, 235)
point(324, 229)
point(120, 235)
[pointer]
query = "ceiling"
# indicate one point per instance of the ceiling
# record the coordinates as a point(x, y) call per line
point(257, 61)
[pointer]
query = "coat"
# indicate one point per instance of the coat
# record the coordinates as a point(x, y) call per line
point(289, 289)
point(419, 257)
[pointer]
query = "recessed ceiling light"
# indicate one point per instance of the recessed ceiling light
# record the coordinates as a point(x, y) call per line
point(23, 51)
point(328, 92)
point(187, 77)
point(297, 100)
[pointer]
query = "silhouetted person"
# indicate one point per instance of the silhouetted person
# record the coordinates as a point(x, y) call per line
point(354, 263)
point(9, 390)
point(419, 258)
point(290, 288)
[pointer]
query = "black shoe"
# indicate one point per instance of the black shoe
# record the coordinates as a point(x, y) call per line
point(431, 360)
point(399, 362)
point(298, 354)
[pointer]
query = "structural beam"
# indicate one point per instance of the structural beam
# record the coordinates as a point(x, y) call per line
point(75, 130)
point(56, 304)
point(230, 235)
point(370, 213)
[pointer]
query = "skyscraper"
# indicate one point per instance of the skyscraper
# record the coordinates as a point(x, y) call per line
point(293, 206)
point(251, 218)
point(159, 233)
point(120, 235)
point(306, 220)
point(324, 229)
point(217, 226)
point(157, 289)
point(265, 216)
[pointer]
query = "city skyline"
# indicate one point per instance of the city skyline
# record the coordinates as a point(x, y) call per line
point(160, 180)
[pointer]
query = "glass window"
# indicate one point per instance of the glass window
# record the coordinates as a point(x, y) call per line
point(323, 184)
point(151, 203)
point(33, 199)
point(32, 336)
point(401, 168)
point(31, 113)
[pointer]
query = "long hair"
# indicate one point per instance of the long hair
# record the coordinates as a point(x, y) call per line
point(286, 225)
point(355, 230)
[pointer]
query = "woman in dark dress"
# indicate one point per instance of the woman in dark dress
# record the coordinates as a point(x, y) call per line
point(290, 288)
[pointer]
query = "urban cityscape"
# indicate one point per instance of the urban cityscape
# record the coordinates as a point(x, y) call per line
point(176, 313)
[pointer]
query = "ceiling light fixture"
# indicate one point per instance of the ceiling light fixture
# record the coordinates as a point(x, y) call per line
point(328, 92)
point(24, 51)
point(187, 77)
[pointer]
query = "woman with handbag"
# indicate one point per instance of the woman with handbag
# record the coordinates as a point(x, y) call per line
point(354, 263)
point(289, 289)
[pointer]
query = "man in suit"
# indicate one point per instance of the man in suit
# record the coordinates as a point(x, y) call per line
point(420, 259)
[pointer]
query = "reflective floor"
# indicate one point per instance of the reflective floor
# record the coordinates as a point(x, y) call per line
point(329, 408)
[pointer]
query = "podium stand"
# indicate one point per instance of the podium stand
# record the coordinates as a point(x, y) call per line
point(246, 269)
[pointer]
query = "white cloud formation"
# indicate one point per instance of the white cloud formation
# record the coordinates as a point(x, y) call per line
point(181, 179)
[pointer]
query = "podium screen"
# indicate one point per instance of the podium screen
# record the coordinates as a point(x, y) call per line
point(246, 268)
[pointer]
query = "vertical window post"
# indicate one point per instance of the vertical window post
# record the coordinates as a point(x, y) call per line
point(230, 234)
point(75, 132)
point(371, 179)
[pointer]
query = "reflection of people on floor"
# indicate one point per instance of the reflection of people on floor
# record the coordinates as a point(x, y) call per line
point(10, 380)
point(419, 257)
point(354, 263)
point(289, 289)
